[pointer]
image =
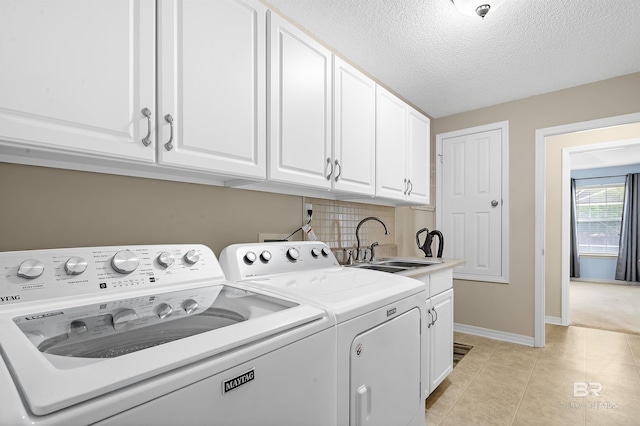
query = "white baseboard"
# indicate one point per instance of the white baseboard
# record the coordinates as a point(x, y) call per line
point(494, 334)
point(553, 320)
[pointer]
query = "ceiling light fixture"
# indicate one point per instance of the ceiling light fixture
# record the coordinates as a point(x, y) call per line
point(476, 7)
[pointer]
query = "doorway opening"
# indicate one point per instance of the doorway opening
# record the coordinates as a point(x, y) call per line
point(596, 298)
point(553, 201)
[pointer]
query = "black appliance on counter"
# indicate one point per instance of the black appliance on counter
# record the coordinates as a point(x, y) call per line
point(426, 247)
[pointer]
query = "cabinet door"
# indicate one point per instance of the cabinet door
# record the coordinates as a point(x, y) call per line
point(419, 157)
point(391, 135)
point(212, 75)
point(354, 124)
point(441, 341)
point(75, 76)
point(300, 107)
point(427, 355)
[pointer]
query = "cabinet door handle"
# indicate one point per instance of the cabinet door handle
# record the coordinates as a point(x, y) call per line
point(436, 318)
point(146, 141)
point(406, 187)
point(430, 322)
point(410, 187)
point(330, 166)
point(169, 145)
point(339, 172)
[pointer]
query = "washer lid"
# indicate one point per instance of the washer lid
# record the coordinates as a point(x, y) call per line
point(62, 357)
point(345, 292)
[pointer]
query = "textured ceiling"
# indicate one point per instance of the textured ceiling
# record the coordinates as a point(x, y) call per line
point(445, 62)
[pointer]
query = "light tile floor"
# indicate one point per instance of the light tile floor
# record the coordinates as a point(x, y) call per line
point(499, 383)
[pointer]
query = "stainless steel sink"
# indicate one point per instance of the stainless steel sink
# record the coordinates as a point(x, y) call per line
point(383, 268)
point(407, 263)
point(396, 264)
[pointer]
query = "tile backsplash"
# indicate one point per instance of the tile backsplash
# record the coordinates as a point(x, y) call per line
point(334, 223)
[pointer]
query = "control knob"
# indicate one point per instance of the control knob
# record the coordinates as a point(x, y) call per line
point(265, 256)
point(326, 251)
point(190, 306)
point(75, 266)
point(31, 268)
point(125, 262)
point(250, 257)
point(123, 318)
point(166, 259)
point(315, 252)
point(293, 254)
point(191, 257)
point(164, 310)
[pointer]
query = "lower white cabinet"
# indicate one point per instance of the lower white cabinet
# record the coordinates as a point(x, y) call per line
point(439, 327)
point(440, 340)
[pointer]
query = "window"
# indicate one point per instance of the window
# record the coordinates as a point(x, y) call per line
point(598, 217)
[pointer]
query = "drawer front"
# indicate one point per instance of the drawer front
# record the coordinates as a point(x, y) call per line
point(441, 281)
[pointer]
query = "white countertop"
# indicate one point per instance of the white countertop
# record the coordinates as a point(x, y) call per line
point(430, 269)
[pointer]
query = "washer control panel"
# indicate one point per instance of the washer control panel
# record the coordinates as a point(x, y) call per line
point(27, 276)
point(242, 261)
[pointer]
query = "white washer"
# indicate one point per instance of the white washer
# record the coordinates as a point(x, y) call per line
point(381, 322)
point(155, 335)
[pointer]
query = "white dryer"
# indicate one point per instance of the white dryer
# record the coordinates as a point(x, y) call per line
point(156, 335)
point(381, 322)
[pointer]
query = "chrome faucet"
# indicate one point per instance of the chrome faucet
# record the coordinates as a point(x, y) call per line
point(366, 219)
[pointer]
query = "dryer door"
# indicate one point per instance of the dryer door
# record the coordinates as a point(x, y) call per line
point(385, 384)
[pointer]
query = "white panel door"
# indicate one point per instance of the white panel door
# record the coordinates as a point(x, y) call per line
point(212, 84)
point(354, 130)
point(385, 373)
point(300, 106)
point(441, 339)
point(418, 157)
point(391, 139)
point(472, 203)
point(76, 75)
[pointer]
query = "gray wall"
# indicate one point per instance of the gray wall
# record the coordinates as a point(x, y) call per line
point(49, 208)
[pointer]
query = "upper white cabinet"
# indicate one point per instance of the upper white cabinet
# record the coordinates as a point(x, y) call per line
point(76, 76)
point(418, 157)
point(219, 92)
point(299, 107)
point(212, 88)
point(354, 107)
point(391, 140)
point(402, 150)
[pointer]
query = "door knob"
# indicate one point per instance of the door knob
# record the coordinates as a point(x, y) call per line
point(494, 203)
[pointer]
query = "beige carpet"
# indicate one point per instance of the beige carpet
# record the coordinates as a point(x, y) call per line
point(614, 307)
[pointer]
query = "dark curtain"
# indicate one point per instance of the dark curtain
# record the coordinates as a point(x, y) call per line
point(575, 259)
point(627, 267)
